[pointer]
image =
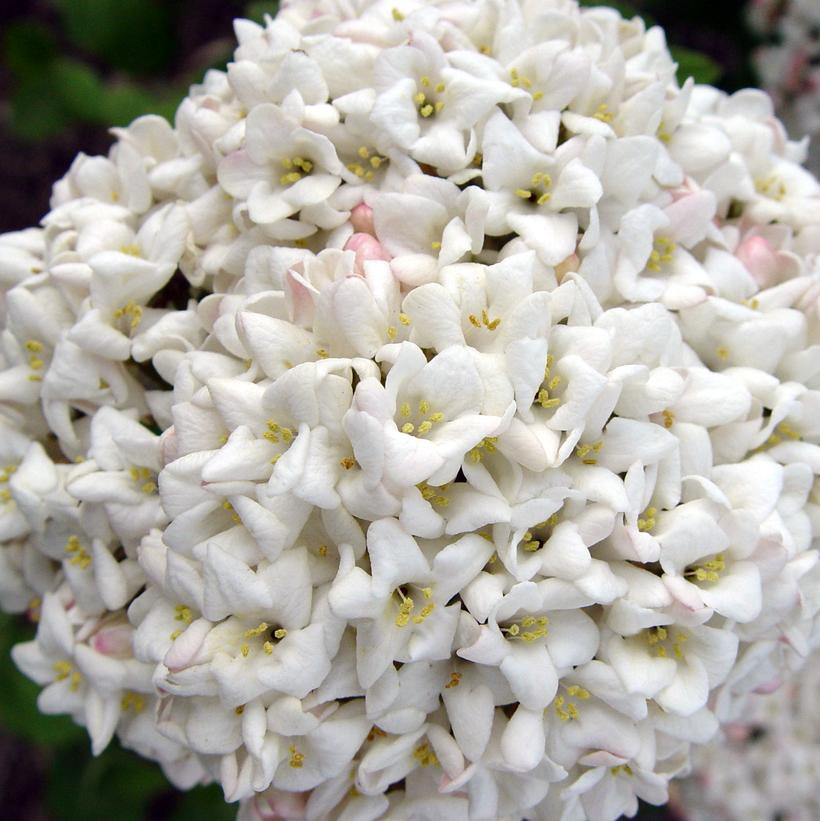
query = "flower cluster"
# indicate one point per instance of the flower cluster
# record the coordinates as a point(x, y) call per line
point(767, 764)
point(428, 425)
point(789, 64)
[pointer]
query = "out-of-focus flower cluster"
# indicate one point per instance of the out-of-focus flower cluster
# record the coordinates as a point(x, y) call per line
point(427, 425)
point(767, 764)
point(789, 67)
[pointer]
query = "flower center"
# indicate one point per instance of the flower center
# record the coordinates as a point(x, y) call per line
point(539, 190)
point(369, 161)
point(708, 571)
point(278, 434)
point(80, 557)
point(529, 628)
point(487, 443)
point(603, 113)
point(424, 755)
point(549, 384)
point(435, 495)
point(65, 670)
point(647, 519)
point(416, 427)
point(35, 361)
point(131, 313)
point(565, 709)
point(455, 680)
point(295, 169)
point(130, 700)
point(588, 452)
point(518, 80)
point(181, 613)
point(485, 321)
point(427, 103)
point(263, 629)
point(771, 187)
point(784, 432)
point(663, 251)
point(5, 493)
point(662, 640)
point(297, 759)
point(146, 478)
point(535, 537)
point(408, 606)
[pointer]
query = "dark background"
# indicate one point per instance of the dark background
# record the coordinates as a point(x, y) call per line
point(69, 69)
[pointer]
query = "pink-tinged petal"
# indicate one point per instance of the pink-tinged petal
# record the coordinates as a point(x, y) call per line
point(361, 218)
point(760, 259)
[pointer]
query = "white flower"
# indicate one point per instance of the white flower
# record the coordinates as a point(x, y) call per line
point(426, 425)
point(283, 170)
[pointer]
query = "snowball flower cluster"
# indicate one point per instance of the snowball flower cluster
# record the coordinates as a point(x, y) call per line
point(767, 764)
point(427, 426)
point(789, 65)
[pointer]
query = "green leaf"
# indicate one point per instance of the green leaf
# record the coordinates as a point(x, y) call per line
point(36, 112)
point(133, 35)
point(116, 785)
point(28, 47)
point(694, 64)
point(123, 102)
point(257, 11)
point(203, 802)
point(79, 88)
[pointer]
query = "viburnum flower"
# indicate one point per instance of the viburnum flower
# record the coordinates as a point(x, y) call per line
point(426, 425)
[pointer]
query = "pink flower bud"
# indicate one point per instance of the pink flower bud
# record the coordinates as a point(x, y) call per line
point(114, 641)
point(757, 254)
point(286, 804)
point(366, 247)
point(361, 218)
point(736, 732)
point(769, 686)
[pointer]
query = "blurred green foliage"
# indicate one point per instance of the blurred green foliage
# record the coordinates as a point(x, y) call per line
point(102, 63)
point(257, 11)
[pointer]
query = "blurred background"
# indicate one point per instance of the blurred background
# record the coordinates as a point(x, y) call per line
point(69, 70)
